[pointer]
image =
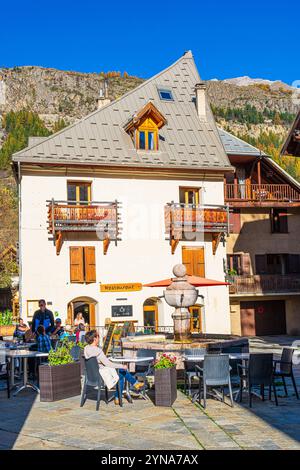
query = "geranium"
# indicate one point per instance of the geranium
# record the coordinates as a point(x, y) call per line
point(165, 361)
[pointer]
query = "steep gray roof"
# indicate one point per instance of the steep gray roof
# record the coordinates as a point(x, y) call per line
point(100, 139)
point(235, 146)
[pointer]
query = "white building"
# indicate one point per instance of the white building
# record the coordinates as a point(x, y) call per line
point(101, 203)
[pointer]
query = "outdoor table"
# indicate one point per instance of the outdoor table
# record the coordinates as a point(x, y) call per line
point(128, 361)
point(23, 354)
point(232, 356)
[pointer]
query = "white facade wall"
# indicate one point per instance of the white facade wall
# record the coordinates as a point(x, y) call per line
point(143, 255)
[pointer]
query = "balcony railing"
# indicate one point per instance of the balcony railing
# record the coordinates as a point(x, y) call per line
point(191, 221)
point(264, 284)
point(99, 217)
point(261, 193)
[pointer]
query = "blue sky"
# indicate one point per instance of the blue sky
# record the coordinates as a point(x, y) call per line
point(228, 38)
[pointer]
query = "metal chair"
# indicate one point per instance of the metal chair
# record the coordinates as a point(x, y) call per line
point(285, 364)
point(215, 373)
point(189, 367)
point(92, 378)
point(142, 369)
point(76, 353)
point(4, 375)
point(259, 372)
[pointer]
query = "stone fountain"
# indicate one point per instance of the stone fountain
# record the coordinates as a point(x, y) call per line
point(181, 295)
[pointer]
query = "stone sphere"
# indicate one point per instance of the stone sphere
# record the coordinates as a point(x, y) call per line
point(179, 270)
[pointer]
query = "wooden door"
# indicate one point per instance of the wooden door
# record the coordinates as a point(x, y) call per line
point(193, 259)
point(270, 317)
point(92, 315)
point(262, 318)
point(151, 316)
point(196, 319)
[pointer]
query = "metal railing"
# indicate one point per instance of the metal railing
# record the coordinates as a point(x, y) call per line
point(260, 192)
point(264, 283)
point(186, 218)
point(102, 217)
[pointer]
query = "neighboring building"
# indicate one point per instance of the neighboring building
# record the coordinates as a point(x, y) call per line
point(292, 143)
point(263, 250)
point(103, 203)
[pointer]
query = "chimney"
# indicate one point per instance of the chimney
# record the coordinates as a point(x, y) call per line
point(103, 98)
point(200, 89)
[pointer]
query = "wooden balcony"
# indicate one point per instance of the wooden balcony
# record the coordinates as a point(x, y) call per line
point(264, 284)
point(190, 222)
point(99, 217)
point(268, 195)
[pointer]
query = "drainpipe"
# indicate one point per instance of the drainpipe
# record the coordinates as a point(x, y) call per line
point(20, 241)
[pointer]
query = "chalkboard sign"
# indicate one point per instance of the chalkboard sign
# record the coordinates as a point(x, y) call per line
point(108, 338)
point(121, 311)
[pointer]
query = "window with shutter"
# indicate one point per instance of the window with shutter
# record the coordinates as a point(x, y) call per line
point(76, 264)
point(246, 263)
point(193, 259)
point(82, 264)
point(89, 264)
point(235, 221)
point(293, 264)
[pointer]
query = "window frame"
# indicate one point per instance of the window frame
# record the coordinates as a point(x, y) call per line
point(183, 194)
point(77, 185)
point(165, 90)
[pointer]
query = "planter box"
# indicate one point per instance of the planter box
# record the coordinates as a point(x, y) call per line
point(59, 382)
point(7, 330)
point(165, 382)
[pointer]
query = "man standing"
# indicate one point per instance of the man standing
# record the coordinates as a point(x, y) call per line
point(43, 317)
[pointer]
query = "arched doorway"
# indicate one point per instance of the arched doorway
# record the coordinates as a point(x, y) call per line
point(84, 305)
point(150, 311)
point(196, 318)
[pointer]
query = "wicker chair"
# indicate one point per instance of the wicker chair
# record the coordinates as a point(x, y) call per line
point(92, 378)
point(286, 369)
point(215, 373)
point(259, 372)
point(189, 367)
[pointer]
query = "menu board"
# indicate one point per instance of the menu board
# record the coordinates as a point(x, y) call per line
point(108, 338)
point(121, 311)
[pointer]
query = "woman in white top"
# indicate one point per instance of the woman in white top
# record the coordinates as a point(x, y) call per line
point(79, 319)
point(92, 350)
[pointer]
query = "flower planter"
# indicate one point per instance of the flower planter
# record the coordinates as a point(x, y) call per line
point(7, 330)
point(59, 382)
point(165, 383)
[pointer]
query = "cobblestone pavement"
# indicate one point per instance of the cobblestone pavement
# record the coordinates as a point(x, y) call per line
point(26, 423)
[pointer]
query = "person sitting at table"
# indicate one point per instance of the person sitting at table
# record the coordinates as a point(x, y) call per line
point(58, 329)
point(44, 317)
point(79, 319)
point(43, 340)
point(92, 350)
point(21, 329)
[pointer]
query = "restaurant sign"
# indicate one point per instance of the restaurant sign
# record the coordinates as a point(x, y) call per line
point(127, 287)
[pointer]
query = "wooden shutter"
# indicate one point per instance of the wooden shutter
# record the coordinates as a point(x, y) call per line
point(261, 264)
point(246, 263)
point(235, 221)
point(90, 264)
point(293, 264)
point(76, 264)
point(283, 217)
point(193, 259)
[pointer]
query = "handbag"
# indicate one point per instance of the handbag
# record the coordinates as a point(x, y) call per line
point(110, 376)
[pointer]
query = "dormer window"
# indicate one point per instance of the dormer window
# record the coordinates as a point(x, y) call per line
point(147, 136)
point(144, 127)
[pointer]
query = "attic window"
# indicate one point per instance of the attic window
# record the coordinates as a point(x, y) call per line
point(165, 94)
